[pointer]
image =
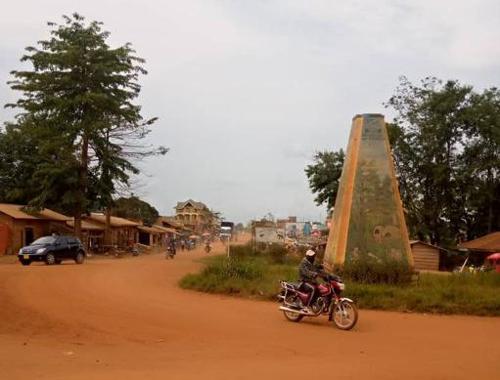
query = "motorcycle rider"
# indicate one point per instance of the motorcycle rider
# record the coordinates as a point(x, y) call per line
point(308, 273)
point(208, 247)
point(172, 247)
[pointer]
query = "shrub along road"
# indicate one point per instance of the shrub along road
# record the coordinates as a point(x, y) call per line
point(255, 275)
point(127, 319)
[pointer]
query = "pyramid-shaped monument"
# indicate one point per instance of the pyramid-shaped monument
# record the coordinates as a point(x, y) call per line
point(368, 221)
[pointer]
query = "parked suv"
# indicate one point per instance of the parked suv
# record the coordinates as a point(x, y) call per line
point(52, 250)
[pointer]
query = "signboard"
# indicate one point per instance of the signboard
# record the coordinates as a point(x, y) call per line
point(269, 235)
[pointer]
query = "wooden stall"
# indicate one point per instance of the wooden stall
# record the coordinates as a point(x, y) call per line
point(425, 256)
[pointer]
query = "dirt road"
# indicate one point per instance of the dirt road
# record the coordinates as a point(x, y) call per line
point(127, 319)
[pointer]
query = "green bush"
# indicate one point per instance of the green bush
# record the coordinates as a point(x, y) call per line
point(233, 267)
point(434, 293)
point(277, 254)
point(243, 251)
point(252, 276)
point(274, 253)
point(371, 271)
point(256, 274)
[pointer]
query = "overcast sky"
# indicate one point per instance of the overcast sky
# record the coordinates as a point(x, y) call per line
point(247, 91)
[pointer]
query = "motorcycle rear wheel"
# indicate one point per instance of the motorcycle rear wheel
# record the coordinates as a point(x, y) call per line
point(293, 317)
point(345, 315)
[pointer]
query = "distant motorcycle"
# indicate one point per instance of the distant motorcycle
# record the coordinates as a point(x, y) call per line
point(208, 248)
point(326, 300)
point(170, 254)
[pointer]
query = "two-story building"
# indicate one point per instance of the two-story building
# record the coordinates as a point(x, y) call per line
point(195, 216)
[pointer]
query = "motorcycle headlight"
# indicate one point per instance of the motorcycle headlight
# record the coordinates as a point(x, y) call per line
point(341, 286)
point(41, 250)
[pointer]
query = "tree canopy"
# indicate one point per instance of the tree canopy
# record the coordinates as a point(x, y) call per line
point(136, 209)
point(78, 131)
point(446, 145)
point(324, 176)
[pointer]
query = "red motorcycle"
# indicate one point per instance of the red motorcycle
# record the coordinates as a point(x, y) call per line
point(326, 300)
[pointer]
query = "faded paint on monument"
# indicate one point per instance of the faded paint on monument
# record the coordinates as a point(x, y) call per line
point(368, 220)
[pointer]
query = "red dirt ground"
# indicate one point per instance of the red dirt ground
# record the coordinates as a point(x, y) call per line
point(127, 319)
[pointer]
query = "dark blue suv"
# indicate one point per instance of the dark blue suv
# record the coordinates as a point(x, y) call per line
point(53, 250)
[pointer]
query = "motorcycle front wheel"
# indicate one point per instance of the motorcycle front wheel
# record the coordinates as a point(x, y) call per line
point(345, 315)
point(293, 317)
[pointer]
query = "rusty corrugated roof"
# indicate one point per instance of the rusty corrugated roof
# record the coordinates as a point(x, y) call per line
point(166, 229)
point(196, 205)
point(86, 225)
point(151, 230)
point(413, 242)
point(170, 220)
point(114, 221)
point(17, 212)
point(487, 243)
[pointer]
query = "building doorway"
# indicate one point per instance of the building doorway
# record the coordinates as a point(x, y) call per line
point(4, 239)
point(144, 238)
point(29, 236)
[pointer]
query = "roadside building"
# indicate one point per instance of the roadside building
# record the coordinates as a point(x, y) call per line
point(426, 256)
point(196, 216)
point(92, 234)
point(154, 236)
point(123, 232)
point(19, 227)
point(281, 223)
point(482, 247)
point(170, 222)
point(175, 230)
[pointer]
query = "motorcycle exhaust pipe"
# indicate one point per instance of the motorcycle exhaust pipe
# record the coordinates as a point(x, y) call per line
point(301, 312)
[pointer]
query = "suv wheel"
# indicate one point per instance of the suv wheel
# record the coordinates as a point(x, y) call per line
point(79, 258)
point(50, 259)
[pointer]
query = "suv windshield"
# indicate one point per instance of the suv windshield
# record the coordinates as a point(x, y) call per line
point(44, 240)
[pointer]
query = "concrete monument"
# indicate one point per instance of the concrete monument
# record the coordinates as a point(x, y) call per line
point(368, 221)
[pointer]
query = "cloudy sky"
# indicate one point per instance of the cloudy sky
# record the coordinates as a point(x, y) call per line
point(247, 91)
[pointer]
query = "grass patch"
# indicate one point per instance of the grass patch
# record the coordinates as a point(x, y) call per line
point(254, 277)
point(256, 274)
point(473, 294)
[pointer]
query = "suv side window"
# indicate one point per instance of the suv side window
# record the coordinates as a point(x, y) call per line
point(61, 240)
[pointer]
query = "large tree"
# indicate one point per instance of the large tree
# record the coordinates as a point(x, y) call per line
point(79, 118)
point(446, 144)
point(324, 176)
point(135, 208)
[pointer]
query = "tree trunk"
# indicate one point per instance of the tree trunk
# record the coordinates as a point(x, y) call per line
point(107, 228)
point(491, 190)
point(82, 177)
point(78, 224)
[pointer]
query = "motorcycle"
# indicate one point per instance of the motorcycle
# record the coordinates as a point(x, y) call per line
point(208, 248)
point(326, 300)
point(170, 254)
